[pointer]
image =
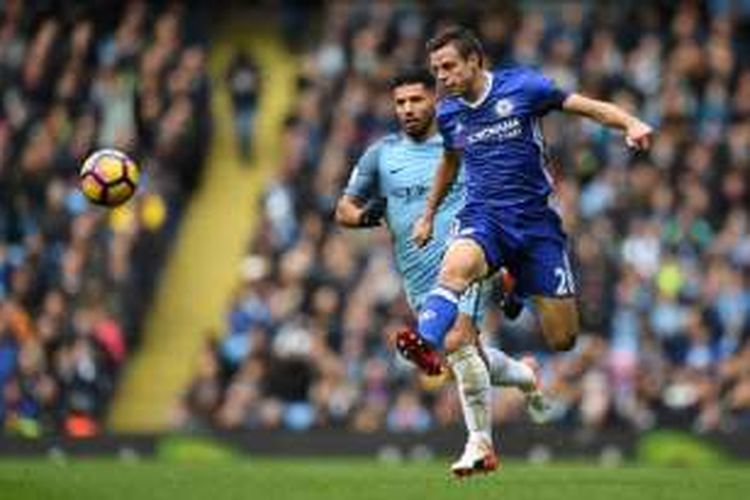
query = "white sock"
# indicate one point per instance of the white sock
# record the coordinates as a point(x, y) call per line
point(506, 371)
point(473, 381)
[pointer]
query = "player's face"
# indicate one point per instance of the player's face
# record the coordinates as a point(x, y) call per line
point(454, 73)
point(415, 108)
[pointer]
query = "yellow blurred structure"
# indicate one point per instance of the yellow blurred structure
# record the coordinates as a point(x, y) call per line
point(203, 268)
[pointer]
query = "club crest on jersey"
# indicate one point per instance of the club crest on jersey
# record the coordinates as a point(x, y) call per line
point(504, 108)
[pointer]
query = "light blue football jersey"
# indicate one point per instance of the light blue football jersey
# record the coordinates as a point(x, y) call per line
point(401, 171)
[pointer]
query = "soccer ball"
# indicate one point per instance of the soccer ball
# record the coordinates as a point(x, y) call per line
point(109, 177)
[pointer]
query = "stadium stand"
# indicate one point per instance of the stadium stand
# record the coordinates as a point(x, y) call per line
point(662, 241)
point(75, 281)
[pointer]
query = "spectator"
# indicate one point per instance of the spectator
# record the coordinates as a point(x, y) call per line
point(243, 80)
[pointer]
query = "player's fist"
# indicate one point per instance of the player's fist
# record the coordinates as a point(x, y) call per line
point(372, 213)
point(422, 231)
point(638, 135)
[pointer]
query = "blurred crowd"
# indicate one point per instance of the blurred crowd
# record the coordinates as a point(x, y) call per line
point(75, 279)
point(661, 240)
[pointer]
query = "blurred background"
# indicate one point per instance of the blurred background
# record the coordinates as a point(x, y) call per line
point(222, 301)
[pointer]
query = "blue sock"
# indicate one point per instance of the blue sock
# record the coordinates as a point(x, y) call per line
point(438, 315)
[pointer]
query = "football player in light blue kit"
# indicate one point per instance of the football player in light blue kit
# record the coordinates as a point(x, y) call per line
point(392, 178)
point(492, 122)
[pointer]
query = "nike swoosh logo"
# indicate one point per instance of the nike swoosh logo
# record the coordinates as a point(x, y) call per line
point(396, 170)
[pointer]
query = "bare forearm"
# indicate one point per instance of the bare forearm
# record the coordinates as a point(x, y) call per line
point(348, 213)
point(444, 178)
point(637, 133)
point(603, 112)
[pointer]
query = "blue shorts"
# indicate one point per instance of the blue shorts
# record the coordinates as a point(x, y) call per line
point(533, 247)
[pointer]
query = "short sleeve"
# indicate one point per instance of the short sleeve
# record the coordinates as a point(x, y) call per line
point(544, 94)
point(363, 181)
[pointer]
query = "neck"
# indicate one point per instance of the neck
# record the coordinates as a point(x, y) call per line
point(426, 134)
point(477, 88)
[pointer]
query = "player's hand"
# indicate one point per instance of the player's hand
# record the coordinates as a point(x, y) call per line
point(638, 135)
point(372, 213)
point(422, 232)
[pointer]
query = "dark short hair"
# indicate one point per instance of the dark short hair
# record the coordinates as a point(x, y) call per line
point(465, 41)
point(410, 76)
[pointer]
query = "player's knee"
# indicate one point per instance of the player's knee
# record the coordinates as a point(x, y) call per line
point(461, 266)
point(563, 341)
point(455, 339)
point(455, 278)
point(560, 325)
point(456, 275)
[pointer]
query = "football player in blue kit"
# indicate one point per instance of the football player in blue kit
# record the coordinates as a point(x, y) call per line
point(490, 123)
point(391, 180)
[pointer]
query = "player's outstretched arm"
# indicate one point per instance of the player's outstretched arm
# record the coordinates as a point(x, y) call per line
point(637, 133)
point(353, 213)
point(444, 177)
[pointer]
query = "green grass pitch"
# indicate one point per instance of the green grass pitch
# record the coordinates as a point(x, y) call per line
point(358, 479)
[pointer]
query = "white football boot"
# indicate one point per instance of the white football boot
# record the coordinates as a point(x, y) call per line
point(478, 457)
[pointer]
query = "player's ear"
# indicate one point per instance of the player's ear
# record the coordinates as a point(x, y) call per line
point(474, 60)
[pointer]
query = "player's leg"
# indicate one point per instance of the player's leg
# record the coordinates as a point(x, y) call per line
point(466, 354)
point(469, 257)
point(559, 321)
point(473, 383)
point(469, 370)
point(545, 274)
point(504, 370)
point(464, 263)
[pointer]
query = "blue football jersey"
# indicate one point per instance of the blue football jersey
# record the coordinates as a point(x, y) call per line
point(501, 140)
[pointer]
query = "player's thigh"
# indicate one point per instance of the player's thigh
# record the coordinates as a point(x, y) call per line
point(463, 264)
point(546, 276)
